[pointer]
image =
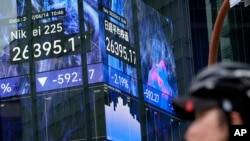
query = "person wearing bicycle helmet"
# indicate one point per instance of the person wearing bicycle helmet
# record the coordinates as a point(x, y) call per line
point(218, 99)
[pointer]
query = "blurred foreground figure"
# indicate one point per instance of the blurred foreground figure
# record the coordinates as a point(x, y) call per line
point(219, 99)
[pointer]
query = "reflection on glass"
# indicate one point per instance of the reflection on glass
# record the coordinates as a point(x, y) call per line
point(61, 116)
point(160, 126)
point(15, 120)
point(46, 117)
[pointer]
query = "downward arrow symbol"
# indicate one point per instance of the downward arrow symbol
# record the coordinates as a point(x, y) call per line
point(42, 80)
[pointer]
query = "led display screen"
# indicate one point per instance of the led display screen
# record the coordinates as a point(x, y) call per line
point(115, 115)
point(120, 116)
point(121, 81)
point(42, 44)
point(56, 44)
point(58, 79)
point(103, 73)
point(14, 78)
point(157, 60)
point(117, 36)
point(112, 42)
point(50, 36)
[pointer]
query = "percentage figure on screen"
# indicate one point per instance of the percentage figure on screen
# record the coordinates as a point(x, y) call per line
point(124, 82)
point(121, 81)
point(6, 87)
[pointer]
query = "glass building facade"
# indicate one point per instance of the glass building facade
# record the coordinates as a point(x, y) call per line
point(91, 70)
point(234, 43)
point(106, 70)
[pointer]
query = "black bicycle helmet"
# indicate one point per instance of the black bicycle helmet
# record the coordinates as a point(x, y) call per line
point(226, 85)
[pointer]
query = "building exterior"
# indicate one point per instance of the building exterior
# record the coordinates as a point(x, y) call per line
point(233, 46)
point(105, 70)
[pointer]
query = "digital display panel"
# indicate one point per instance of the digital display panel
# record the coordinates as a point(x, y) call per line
point(104, 73)
point(59, 79)
point(56, 44)
point(11, 86)
point(157, 59)
point(59, 47)
point(117, 39)
point(112, 42)
point(116, 71)
point(158, 98)
point(52, 35)
point(55, 35)
point(14, 78)
point(117, 43)
point(122, 121)
point(122, 81)
point(48, 40)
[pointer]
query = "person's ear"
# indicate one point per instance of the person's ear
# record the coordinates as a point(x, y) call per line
point(236, 118)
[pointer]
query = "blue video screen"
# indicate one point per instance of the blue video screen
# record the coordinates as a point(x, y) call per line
point(123, 82)
point(14, 78)
point(59, 48)
point(120, 116)
point(157, 59)
point(109, 24)
point(158, 99)
point(55, 37)
point(116, 54)
point(117, 35)
point(98, 73)
point(59, 79)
